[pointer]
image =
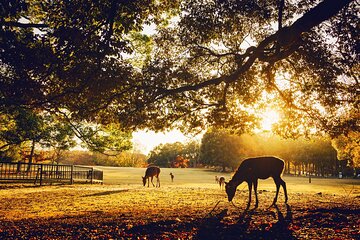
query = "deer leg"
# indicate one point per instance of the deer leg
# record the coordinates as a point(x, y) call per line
point(158, 181)
point(250, 187)
point(277, 182)
point(283, 184)
point(255, 190)
point(148, 180)
point(152, 181)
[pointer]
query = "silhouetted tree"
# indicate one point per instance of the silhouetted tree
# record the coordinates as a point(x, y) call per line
point(209, 62)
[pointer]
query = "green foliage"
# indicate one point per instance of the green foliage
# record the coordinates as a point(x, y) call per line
point(175, 154)
point(214, 66)
point(104, 138)
point(21, 126)
point(57, 134)
point(219, 148)
point(348, 148)
point(164, 154)
point(209, 63)
point(123, 159)
point(11, 154)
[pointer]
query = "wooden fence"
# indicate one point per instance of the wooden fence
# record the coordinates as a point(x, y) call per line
point(48, 173)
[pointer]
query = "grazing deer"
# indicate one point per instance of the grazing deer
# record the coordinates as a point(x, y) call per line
point(152, 172)
point(172, 176)
point(221, 182)
point(216, 179)
point(252, 169)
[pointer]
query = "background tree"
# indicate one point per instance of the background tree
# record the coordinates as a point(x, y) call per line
point(175, 154)
point(123, 159)
point(214, 68)
point(302, 156)
point(191, 152)
point(348, 148)
point(180, 162)
point(21, 128)
point(219, 148)
point(58, 137)
point(164, 154)
point(71, 55)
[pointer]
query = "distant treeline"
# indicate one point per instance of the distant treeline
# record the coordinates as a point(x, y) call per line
point(224, 151)
point(220, 150)
point(124, 159)
point(83, 157)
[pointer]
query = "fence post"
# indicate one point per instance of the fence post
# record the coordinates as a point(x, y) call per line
point(92, 175)
point(41, 174)
point(72, 175)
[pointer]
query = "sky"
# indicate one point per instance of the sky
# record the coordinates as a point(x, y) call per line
point(145, 141)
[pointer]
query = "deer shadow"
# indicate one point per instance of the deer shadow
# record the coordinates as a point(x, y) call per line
point(245, 228)
point(280, 229)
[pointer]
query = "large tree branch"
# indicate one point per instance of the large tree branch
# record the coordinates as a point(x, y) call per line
point(280, 19)
point(287, 37)
point(23, 25)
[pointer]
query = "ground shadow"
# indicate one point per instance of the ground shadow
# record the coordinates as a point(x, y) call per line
point(279, 222)
point(106, 193)
point(245, 228)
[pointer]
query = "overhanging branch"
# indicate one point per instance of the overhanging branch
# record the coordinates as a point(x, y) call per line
point(23, 25)
point(286, 37)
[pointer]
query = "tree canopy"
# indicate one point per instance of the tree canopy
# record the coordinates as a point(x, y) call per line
point(209, 63)
point(302, 156)
point(175, 154)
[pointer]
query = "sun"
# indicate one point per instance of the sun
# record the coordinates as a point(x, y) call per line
point(269, 118)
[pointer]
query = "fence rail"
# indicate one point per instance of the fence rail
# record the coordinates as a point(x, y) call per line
point(48, 173)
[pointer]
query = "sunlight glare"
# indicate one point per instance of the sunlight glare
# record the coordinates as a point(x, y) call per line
point(147, 140)
point(269, 117)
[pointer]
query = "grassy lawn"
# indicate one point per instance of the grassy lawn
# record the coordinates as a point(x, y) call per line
point(185, 209)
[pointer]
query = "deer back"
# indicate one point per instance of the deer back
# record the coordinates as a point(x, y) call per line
point(260, 167)
point(152, 171)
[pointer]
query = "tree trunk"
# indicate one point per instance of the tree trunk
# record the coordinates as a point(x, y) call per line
point(288, 170)
point(31, 155)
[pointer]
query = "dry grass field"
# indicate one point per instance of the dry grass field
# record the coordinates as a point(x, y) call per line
point(122, 208)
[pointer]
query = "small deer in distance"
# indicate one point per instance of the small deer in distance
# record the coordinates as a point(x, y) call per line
point(221, 182)
point(172, 177)
point(150, 173)
point(252, 169)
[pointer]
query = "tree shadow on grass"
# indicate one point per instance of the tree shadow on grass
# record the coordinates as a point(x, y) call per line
point(343, 222)
point(246, 226)
point(105, 193)
point(276, 223)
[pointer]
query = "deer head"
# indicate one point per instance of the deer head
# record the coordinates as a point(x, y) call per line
point(144, 180)
point(230, 190)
